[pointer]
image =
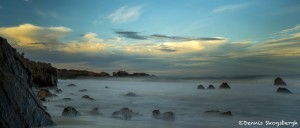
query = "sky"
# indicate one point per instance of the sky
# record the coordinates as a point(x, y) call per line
point(159, 37)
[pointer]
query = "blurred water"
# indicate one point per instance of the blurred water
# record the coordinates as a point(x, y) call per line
point(250, 99)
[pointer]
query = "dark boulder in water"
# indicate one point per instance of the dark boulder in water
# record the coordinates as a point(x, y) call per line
point(211, 87)
point(224, 85)
point(95, 111)
point(279, 81)
point(228, 113)
point(167, 116)
point(70, 112)
point(131, 94)
point(71, 85)
point(20, 107)
point(212, 111)
point(87, 97)
point(156, 113)
point(123, 113)
point(200, 87)
point(283, 90)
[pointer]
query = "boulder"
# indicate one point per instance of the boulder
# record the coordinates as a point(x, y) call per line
point(212, 111)
point(131, 94)
point(211, 87)
point(71, 85)
point(20, 107)
point(43, 99)
point(279, 81)
point(70, 112)
point(156, 113)
point(224, 85)
point(106, 86)
point(228, 113)
point(167, 116)
point(43, 93)
point(164, 116)
point(200, 87)
point(283, 90)
point(95, 111)
point(123, 113)
point(87, 97)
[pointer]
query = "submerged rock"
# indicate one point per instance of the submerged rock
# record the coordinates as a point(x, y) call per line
point(156, 113)
point(106, 86)
point(87, 97)
point(20, 107)
point(211, 87)
point(67, 99)
point(224, 85)
point(71, 85)
point(95, 111)
point(70, 112)
point(123, 113)
point(58, 91)
point(200, 87)
point(279, 81)
point(83, 90)
point(228, 113)
point(283, 90)
point(131, 94)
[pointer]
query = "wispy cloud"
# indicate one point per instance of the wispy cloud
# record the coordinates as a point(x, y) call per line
point(296, 28)
point(125, 14)
point(131, 35)
point(228, 8)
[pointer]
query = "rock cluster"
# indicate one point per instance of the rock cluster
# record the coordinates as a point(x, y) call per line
point(126, 74)
point(72, 74)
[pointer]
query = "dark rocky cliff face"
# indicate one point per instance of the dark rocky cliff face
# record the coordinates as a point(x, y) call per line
point(43, 74)
point(19, 107)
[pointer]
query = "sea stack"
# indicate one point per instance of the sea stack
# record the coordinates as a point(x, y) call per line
point(211, 87)
point(283, 90)
point(224, 85)
point(279, 81)
point(20, 107)
point(201, 87)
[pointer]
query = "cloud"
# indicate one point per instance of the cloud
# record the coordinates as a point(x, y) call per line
point(28, 35)
point(137, 36)
point(88, 43)
point(125, 14)
point(228, 8)
point(131, 35)
point(293, 29)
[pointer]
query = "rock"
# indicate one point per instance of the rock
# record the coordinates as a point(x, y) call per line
point(43, 93)
point(73, 74)
point(224, 85)
point(43, 99)
point(43, 74)
point(95, 111)
point(106, 86)
point(156, 113)
point(123, 113)
point(283, 90)
point(200, 87)
point(58, 91)
point(70, 112)
point(131, 94)
point(126, 74)
point(67, 99)
point(71, 85)
point(279, 81)
point(87, 97)
point(167, 116)
point(211, 87)
point(20, 107)
point(83, 90)
point(228, 113)
point(212, 111)
point(45, 107)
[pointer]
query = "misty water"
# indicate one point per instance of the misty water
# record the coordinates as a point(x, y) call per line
point(249, 99)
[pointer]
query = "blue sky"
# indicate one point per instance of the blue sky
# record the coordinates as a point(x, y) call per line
point(170, 37)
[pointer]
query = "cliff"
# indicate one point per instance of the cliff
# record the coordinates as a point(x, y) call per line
point(72, 74)
point(19, 106)
point(43, 74)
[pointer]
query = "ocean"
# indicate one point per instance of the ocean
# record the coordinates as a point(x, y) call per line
point(253, 102)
